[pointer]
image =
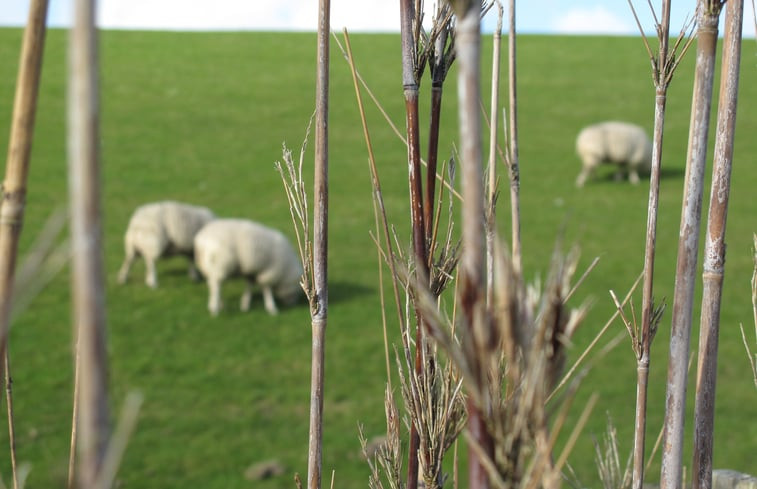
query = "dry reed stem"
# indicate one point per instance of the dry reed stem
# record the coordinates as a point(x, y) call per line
point(388, 457)
point(752, 357)
point(492, 160)
point(86, 243)
point(513, 159)
point(663, 63)
point(379, 210)
point(472, 272)
point(439, 50)
point(14, 192)
point(19, 154)
point(714, 253)
point(11, 418)
point(117, 446)
point(517, 422)
point(688, 245)
point(412, 67)
point(596, 339)
point(319, 313)
point(392, 125)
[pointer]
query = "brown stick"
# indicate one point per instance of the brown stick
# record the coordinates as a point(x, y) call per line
point(320, 248)
point(714, 255)
point(87, 265)
point(688, 246)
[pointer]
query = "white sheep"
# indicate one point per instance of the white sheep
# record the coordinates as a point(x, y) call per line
point(161, 229)
point(621, 143)
point(263, 256)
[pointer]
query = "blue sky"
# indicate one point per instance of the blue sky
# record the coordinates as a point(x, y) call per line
point(543, 17)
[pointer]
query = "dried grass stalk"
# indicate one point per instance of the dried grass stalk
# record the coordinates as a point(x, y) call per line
point(752, 356)
point(611, 473)
point(533, 328)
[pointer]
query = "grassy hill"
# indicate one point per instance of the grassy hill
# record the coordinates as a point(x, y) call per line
point(202, 117)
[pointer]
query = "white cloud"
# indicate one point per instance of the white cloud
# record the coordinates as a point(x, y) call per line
point(593, 20)
point(373, 15)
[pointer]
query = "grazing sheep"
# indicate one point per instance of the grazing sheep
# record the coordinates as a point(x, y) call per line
point(621, 143)
point(263, 256)
point(162, 229)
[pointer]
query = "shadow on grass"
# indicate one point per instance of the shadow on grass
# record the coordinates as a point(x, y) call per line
point(665, 173)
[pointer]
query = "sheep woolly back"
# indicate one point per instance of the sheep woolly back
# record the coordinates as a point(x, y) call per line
point(617, 142)
point(227, 247)
point(177, 221)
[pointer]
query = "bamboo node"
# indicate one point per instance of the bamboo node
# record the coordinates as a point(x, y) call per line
point(12, 209)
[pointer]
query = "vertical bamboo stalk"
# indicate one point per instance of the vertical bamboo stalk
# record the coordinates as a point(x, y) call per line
point(472, 262)
point(320, 248)
point(410, 89)
point(513, 147)
point(714, 255)
point(688, 245)
point(491, 228)
point(87, 266)
point(19, 153)
point(14, 188)
point(661, 78)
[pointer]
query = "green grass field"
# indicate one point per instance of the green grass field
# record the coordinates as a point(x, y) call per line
point(202, 118)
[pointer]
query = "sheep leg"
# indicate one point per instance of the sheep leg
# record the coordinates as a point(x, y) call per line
point(586, 171)
point(123, 273)
point(214, 296)
point(633, 176)
point(151, 273)
point(244, 304)
point(270, 304)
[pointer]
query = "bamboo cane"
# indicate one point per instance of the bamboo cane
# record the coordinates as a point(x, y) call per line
point(320, 248)
point(472, 262)
point(87, 264)
point(714, 255)
point(688, 245)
